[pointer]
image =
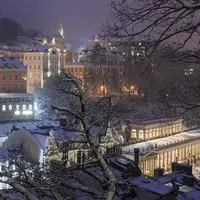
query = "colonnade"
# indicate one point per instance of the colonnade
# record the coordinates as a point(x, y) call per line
point(149, 132)
point(163, 158)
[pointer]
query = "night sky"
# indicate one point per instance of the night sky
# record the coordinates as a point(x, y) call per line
point(81, 18)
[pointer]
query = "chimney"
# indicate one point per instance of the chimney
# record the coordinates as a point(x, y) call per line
point(136, 156)
point(188, 180)
point(174, 164)
point(182, 167)
point(158, 172)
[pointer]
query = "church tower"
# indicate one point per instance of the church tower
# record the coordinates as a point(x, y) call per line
point(61, 31)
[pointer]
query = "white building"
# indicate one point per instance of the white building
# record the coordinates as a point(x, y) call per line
point(16, 106)
point(42, 62)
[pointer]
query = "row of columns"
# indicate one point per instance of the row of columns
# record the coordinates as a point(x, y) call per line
point(151, 133)
point(184, 153)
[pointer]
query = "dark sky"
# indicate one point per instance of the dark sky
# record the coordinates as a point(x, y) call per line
point(81, 18)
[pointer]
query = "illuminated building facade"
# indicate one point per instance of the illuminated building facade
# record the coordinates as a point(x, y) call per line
point(151, 129)
point(42, 63)
point(42, 59)
point(119, 47)
point(12, 76)
point(182, 152)
point(34, 64)
point(16, 106)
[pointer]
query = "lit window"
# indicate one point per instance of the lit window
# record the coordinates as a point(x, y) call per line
point(4, 108)
point(17, 107)
point(24, 107)
point(10, 107)
point(30, 107)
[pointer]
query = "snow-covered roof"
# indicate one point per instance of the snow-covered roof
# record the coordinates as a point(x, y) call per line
point(13, 95)
point(41, 48)
point(41, 140)
point(11, 63)
point(5, 128)
point(155, 121)
point(161, 142)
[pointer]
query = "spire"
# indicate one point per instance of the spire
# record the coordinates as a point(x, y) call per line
point(61, 31)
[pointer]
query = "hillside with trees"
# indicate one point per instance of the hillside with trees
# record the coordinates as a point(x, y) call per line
point(10, 30)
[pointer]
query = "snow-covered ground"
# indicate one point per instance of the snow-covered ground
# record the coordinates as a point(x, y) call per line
point(152, 144)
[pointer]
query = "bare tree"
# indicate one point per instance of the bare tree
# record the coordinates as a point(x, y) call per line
point(173, 22)
point(88, 114)
point(171, 29)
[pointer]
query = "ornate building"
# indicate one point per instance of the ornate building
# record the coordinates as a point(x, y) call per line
point(45, 60)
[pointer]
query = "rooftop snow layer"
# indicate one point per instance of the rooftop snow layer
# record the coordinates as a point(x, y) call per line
point(11, 63)
point(13, 95)
point(161, 142)
point(5, 128)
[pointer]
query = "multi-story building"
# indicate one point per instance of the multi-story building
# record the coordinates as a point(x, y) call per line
point(119, 47)
point(34, 64)
point(101, 79)
point(42, 62)
point(16, 106)
point(172, 146)
point(43, 58)
point(12, 76)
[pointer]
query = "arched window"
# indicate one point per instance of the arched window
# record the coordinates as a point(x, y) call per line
point(10, 107)
point(17, 107)
point(4, 108)
point(30, 107)
point(24, 107)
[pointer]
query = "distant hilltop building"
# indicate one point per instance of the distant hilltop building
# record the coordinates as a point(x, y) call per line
point(119, 46)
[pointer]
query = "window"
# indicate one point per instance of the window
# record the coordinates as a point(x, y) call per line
point(24, 107)
point(4, 108)
point(17, 107)
point(30, 66)
point(10, 107)
point(38, 66)
point(30, 107)
point(3, 77)
point(26, 58)
point(3, 87)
